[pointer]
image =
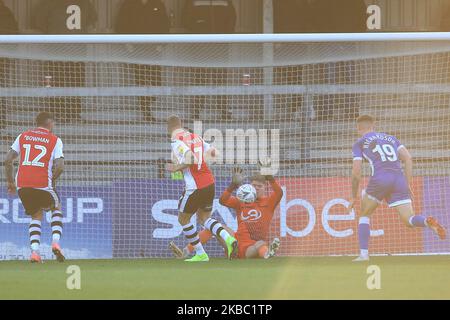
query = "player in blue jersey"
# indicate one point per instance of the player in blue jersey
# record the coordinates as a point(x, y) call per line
point(388, 182)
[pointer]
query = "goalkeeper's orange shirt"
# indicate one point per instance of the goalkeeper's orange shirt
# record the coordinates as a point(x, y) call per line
point(254, 218)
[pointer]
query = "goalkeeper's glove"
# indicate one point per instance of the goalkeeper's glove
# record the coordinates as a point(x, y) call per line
point(265, 169)
point(236, 178)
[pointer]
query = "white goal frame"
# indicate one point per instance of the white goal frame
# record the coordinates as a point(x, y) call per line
point(265, 89)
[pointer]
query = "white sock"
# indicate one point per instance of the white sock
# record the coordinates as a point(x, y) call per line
point(35, 247)
point(56, 224)
point(224, 235)
point(55, 238)
point(35, 235)
point(199, 248)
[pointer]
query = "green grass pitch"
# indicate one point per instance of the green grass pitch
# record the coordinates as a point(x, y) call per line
point(422, 277)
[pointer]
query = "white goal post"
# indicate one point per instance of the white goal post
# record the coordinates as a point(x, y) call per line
point(297, 93)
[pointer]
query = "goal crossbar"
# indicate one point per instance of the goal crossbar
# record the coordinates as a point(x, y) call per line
point(229, 38)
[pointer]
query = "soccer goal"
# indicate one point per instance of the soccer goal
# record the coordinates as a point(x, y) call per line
point(293, 98)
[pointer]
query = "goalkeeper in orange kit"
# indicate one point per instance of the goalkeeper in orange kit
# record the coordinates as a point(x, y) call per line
point(253, 218)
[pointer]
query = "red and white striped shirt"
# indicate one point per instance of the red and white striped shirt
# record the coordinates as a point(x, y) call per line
point(37, 149)
point(196, 176)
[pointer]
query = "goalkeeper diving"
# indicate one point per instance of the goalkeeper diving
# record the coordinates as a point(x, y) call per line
point(253, 218)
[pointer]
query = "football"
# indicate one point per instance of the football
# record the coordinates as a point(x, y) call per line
point(246, 193)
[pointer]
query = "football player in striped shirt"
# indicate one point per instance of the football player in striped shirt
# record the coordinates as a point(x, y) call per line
point(189, 153)
point(41, 162)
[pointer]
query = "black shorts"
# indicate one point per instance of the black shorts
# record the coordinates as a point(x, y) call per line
point(35, 200)
point(193, 200)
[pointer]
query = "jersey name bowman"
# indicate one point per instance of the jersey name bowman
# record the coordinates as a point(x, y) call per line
point(37, 149)
point(196, 176)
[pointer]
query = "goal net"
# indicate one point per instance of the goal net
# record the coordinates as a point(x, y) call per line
point(294, 101)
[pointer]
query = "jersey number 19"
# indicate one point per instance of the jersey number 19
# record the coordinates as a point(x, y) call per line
point(386, 152)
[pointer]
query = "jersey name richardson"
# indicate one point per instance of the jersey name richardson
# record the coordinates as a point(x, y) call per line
point(377, 136)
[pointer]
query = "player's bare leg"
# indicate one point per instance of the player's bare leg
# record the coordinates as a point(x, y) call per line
point(258, 250)
point(35, 237)
point(56, 225)
point(219, 231)
point(191, 234)
point(406, 213)
point(251, 252)
point(368, 206)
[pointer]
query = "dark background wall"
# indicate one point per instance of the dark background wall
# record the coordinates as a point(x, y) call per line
point(398, 15)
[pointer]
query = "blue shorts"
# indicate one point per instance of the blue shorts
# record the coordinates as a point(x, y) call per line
point(390, 186)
